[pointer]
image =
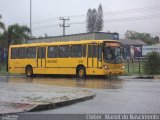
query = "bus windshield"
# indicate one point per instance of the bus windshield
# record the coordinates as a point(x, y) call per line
point(113, 54)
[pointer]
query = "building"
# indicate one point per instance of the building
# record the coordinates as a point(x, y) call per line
point(76, 37)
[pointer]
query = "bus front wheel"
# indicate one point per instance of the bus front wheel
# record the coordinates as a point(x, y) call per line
point(29, 71)
point(81, 72)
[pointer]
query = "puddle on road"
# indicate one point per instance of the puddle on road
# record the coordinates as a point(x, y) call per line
point(99, 83)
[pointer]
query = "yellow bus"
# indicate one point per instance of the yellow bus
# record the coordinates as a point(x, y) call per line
point(81, 58)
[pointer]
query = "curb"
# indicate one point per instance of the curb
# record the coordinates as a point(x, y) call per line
point(41, 107)
point(141, 77)
point(12, 75)
point(20, 108)
point(145, 77)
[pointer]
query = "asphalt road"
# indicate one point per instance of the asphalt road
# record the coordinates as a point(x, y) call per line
point(112, 96)
point(129, 96)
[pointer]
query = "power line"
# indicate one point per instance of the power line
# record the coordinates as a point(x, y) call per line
point(146, 9)
point(74, 23)
point(46, 20)
point(120, 12)
point(152, 8)
point(46, 26)
point(156, 16)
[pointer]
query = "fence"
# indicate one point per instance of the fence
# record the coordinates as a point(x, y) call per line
point(2, 67)
point(134, 66)
point(3, 60)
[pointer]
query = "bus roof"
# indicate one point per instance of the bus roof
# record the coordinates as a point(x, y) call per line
point(63, 43)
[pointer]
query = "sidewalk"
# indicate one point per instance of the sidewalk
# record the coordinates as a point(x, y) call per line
point(22, 97)
point(140, 77)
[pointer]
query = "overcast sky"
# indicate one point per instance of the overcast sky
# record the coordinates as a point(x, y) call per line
point(119, 15)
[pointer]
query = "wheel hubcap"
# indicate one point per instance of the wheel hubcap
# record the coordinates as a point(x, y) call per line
point(29, 72)
point(81, 73)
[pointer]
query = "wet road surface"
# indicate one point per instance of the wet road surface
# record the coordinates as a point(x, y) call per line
point(112, 95)
point(98, 83)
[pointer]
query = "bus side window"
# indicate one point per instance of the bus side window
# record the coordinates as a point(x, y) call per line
point(76, 51)
point(53, 52)
point(95, 51)
point(90, 50)
point(31, 52)
point(41, 52)
point(84, 51)
point(14, 53)
point(64, 51)
point(22, 53)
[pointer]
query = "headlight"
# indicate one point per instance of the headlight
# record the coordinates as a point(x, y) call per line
point(107, 68)
point(123, 67)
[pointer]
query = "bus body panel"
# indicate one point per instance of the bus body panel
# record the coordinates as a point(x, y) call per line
point(65, 62)
point(18, 66)
point(50, 70)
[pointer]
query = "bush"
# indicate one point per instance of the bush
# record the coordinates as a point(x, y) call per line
point(152, 63)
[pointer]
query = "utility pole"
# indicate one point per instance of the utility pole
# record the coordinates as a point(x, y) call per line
point(64, 24)
point(30, 18)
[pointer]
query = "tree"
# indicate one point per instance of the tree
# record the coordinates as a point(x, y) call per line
point(90, 20)
point(146, 37)
point(152, 63)
point(156, 39)
point(1, 24)
point(2, 28)
point(99, 20)
point(94, 20)
point(16, 34)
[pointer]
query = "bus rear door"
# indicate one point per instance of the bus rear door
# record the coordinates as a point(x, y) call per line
point(41, 60)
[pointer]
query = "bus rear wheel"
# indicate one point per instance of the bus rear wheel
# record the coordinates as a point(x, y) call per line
point(29, 71)
point(81, 72)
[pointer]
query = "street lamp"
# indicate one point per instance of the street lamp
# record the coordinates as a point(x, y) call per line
point(30, 18)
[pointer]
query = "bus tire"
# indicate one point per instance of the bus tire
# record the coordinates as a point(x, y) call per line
point(29, 71)
point(81, 72)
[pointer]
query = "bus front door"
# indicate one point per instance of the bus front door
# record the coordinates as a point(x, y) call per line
point(41, 61)
point(94, 56)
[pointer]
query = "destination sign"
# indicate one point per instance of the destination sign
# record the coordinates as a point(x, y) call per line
point(112, 44)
